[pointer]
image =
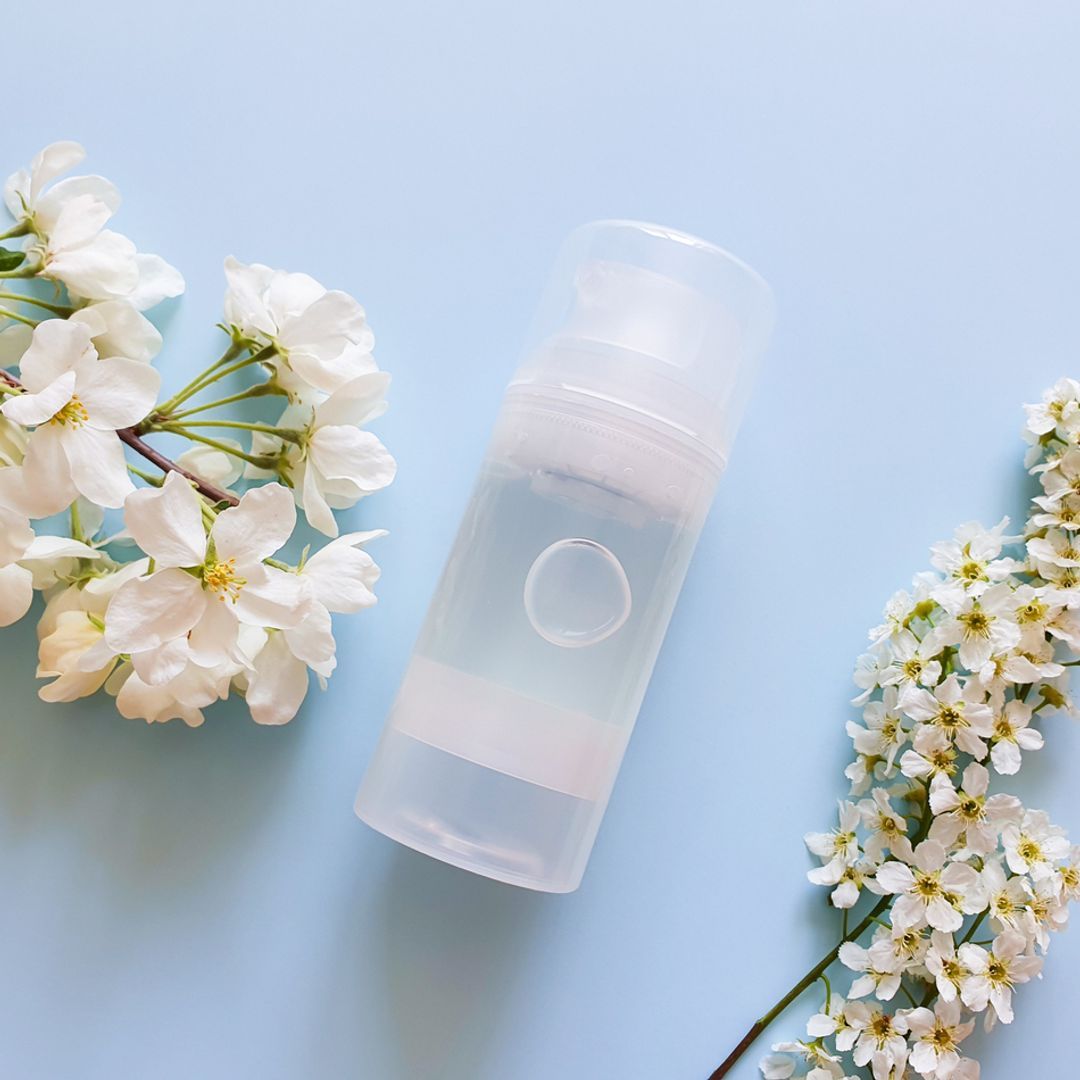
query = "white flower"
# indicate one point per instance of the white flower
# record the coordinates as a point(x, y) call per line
point(77, 403)
point(181, 697)
point(849, 879)
point(204, 587)
point(888, 830)
point(936, 1036)
point(338, 463)
point(982, 625)
point(970, 560)
point(27, 199)
point(1057, 547)
point(832, 1023)
point(322, 338)
point(1058, 405)
point(79, 252)
point(912, 660)
point(72, 625)
point(994, 974)
point(1011, 735)
point(881, 1040)
point(884, 733)
point(22, 555)
point(907, 608)
point(1064, 478)
point(338, 578)
point(1063, 513)
point(944, 965)
point(931, 891)
point(932, 754)
point(1034, 846)
point(969, 813)
point(1067, 875)
point(959, 712)
point(117, 328)
point(214, 466)
point(879, 969)
point(841, 845)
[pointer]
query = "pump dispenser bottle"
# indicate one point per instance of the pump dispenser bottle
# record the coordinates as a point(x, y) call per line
point(506, 736)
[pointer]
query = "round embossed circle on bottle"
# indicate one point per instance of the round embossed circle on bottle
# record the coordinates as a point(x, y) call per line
point(576, 593)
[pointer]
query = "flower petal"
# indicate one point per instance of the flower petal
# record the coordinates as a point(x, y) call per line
point(146, 611)
point(31, 409)
point(117, 393)
point(16, 593)
point(166, 522)
point(98, 468)
point(341, 574)
point(270, 597)
point(279, 684)
point(261, 523)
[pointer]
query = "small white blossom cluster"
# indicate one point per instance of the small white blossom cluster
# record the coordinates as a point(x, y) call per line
point(970, 884)
point(188, 599)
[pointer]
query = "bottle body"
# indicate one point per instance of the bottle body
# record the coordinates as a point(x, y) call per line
point(507, 734)
point(505, 739)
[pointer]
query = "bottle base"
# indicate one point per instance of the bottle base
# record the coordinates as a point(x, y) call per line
point(476, 818)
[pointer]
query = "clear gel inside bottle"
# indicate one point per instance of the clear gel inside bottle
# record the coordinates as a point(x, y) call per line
point(503, 745)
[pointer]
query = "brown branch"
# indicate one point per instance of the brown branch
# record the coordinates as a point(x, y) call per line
point(214, 494)
point(131, 438)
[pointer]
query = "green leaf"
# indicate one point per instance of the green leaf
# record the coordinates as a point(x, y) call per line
point(11, 260)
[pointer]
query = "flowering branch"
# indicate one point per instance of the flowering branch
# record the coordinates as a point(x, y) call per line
point(208, 606)
point(958, 674)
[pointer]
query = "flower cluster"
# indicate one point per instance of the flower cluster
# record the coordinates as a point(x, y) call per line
point(185, 597)
point(967, 886)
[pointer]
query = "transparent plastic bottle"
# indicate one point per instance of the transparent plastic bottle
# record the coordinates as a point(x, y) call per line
point(506, 736)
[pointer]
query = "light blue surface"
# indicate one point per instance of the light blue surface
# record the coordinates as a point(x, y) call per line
point(179, 904)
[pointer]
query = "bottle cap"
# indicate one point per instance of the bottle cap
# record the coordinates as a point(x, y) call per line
point(655, 321)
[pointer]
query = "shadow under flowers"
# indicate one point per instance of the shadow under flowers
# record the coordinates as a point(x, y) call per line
point(153, 808)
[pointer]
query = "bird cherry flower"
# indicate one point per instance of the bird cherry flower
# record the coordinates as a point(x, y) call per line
point(1011, 735)
point(959, 711)
point(841, 845)
point(887, 828)
point(968, 815)
point(944, 965)
point(884, 734)
point(970, 561)
point(1035, 845)
point(932, 754)
point(881, 1042)
point(912, 661)
point(936, 1036)
point(1059, 404)
point(981, 625)
point(878, 968)
point(993, 974)
point(930, 890)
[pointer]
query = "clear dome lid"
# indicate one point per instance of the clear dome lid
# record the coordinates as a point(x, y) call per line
point(655, 321)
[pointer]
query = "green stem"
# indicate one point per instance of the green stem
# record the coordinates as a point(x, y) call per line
point(56, 309)
point(76, 524)
point(289, 434)
point(6, 313)
point(21, 229)
point(805, 982)
point(259, 390)
point(218, 370)
point(230, 354)
point(225, 448)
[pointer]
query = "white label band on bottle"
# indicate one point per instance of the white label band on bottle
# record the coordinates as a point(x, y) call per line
point(492, 726)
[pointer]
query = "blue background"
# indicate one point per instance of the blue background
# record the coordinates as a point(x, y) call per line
point(178, 904)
